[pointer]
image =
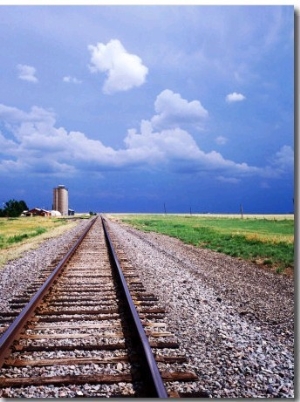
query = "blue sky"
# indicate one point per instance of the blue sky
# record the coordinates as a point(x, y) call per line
point(134, 108)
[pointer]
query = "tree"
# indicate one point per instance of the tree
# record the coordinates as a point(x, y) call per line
point(13, 208)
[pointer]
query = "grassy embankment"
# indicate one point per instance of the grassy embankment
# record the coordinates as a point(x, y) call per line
point(266, 241)
point(18, 235)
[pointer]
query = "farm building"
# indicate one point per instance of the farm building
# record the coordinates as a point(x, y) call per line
point(55, 213)
point(37, 212)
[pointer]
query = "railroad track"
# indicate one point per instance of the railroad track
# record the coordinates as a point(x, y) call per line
point(91, 330)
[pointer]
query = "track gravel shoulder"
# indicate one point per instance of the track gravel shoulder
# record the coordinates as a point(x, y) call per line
point(17, 274)
point(234, 320)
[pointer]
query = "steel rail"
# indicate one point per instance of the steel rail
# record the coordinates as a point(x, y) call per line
point(16, 327)
point(155, 377)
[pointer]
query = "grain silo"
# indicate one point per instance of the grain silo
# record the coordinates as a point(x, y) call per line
point(60, 199)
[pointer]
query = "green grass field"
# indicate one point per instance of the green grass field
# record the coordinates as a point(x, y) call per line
point(16, 230)
point(18, 235)
point(265, 241)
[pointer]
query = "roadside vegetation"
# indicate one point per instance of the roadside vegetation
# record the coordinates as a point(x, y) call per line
point(16, 230)
point(23, 233)
point(267, 242)
point(13, 208)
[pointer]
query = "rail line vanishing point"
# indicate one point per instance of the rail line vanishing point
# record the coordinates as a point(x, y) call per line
point(91, 329)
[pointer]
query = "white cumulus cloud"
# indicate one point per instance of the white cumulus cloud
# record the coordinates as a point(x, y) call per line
point(32, 142)
point(235, 97)
point(284, 158)
point(72, 80)
point(124, 70)
point(172, 110)
point(27, 73)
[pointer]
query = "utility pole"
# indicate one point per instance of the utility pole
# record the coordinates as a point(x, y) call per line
point(165, 208)
point(241, 209)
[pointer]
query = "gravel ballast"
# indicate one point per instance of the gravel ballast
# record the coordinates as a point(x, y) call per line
point(233, 320)
point(17, 274)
